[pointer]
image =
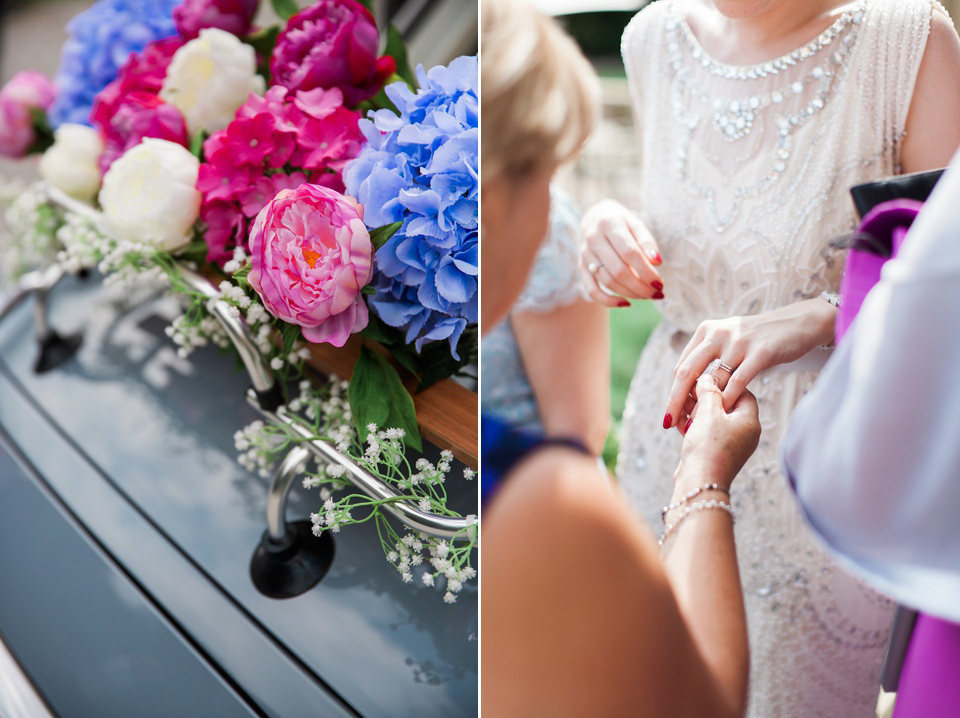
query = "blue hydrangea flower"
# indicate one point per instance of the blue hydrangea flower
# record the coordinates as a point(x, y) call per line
point(101, 39)
point(421, 168)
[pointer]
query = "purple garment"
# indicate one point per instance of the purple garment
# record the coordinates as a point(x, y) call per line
point(930, 682)
point(888, 223)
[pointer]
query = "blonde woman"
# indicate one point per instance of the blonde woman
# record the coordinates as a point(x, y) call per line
point(579, 616)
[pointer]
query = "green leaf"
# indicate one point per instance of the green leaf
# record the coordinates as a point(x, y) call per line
point(43, 132)
point(285, 9)
point(263, 40)
point(368, 290)
point(196, 144)
point(397, 49)
point(377, 331)
point(377, 396)
point(380, 235)
point(289, 333)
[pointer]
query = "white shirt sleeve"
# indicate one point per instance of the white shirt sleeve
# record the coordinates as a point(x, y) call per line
point(874, 450)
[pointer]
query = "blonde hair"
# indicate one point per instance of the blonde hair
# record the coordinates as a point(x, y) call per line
point(539, 96)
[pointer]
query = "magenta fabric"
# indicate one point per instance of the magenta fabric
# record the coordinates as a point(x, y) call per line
point(887, 222)
point(930, 682)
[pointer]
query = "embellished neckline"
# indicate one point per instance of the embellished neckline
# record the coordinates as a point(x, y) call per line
point(770, 67)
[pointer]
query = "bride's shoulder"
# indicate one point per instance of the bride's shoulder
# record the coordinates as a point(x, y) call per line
point(651, 19)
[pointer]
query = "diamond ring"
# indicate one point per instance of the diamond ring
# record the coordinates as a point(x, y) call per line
point(593, 267)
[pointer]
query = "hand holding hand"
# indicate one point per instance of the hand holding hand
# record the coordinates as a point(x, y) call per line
point(618, 256)
point(717, 444)
point(746, 346)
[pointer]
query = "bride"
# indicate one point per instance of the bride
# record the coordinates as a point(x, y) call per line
point(754, 118)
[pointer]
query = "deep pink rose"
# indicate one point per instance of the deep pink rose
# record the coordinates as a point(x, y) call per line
point(129, 109)
point(25, 91)
point(331, 43)
point(234, 16)
point(311, 255)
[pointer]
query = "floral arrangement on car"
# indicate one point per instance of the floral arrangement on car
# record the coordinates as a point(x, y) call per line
point(324, 188)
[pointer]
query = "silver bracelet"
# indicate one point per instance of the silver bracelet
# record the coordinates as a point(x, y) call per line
point(689, 495)
point(692, 508)
point(832, 297)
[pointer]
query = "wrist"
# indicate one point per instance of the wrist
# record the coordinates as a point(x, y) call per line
point(691, 473)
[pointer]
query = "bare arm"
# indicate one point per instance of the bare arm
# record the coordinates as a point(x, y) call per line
point(932, 130)
point(579, 616)
point(566, 353)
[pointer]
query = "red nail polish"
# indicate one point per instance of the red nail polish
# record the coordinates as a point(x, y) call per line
point(654, 256)
point(658, 295)
point(686, 427)
point(623, 304)
point(667, 421)
point(657, 285)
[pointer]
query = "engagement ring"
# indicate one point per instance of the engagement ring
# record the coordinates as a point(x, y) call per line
point(593, 267)
point(717, 364)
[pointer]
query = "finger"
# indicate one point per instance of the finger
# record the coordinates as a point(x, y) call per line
point(646, 241)
point(620, 275)
point(685, 413)
point(746, 403)
point(696, 340)
point(709, 396)
point(683, 382)
point(596, 293)
point(742, 376)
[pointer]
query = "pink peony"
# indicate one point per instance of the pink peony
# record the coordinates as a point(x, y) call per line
point(25, 91)
point(331, 43)
point(311, 255)
point(129, 109)
point(233, 16)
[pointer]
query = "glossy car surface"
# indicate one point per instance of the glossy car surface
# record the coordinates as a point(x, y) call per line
point(126, 533)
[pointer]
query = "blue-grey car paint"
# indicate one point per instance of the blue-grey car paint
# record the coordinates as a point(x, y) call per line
point(138, 445)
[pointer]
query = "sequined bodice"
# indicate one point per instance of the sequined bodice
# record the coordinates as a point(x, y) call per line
point(745, 169)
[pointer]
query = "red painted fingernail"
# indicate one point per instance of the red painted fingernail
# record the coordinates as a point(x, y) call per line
point(623, 304)
point(657, 285)
point(654, 256)
point(658, 295)
point(686, 426)
point(667, 421)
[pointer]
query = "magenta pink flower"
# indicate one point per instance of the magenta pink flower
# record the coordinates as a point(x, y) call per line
point(25, 91)
point(311, 255)
point(275, 142)
point(129, 109)
point(234, 16)
point(331, 43)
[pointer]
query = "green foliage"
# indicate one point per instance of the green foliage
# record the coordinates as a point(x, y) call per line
point(380, 235)
point(397, 49)
point(377, 396)
point(285, 9)
point(196, 144)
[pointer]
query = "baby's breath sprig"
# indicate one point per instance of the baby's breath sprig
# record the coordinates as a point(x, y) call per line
point(325, 411)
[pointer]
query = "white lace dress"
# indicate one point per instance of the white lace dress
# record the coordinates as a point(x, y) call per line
point(745, 172)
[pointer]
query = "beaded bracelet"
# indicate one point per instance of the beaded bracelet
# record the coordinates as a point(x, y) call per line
point(697, 506)
point(691, 494)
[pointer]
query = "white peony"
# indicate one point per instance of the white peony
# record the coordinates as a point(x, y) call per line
point(70, 164)
point(209, 78)
point(149, 195)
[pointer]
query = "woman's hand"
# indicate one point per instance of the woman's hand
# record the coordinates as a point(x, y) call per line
point(746, 346)
point(717, 443)
point(618, 256)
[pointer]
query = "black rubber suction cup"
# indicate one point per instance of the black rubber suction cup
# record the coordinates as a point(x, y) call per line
point(55, 350)
point(287, 569)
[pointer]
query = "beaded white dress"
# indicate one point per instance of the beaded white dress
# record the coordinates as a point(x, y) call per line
point(744, 179)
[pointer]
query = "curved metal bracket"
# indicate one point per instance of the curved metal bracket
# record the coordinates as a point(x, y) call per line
point(289, 560)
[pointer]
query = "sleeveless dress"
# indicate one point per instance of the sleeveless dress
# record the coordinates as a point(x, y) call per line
point(744, 179)
point(554, 282)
